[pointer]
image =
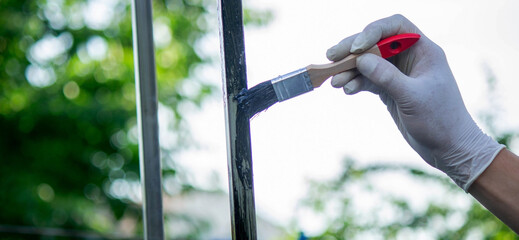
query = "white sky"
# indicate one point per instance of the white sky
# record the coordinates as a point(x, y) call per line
point(307, 137)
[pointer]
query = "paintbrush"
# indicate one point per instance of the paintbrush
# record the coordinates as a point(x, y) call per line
point(266, 94)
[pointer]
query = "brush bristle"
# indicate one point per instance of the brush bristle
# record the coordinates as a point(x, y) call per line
point(256, 99)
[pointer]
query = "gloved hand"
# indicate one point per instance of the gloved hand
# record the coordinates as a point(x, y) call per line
point(420, 92)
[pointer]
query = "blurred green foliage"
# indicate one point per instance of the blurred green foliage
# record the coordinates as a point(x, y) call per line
point(389, 215)
point(68, 144)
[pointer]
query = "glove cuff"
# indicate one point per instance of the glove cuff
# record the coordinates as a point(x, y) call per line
point(479, 166)
point(471, 159)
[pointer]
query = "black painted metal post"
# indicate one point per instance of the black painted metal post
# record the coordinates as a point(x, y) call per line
point(147, 108)
point(239, 155)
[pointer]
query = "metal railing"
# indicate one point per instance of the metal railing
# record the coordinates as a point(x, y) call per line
point(239, 154)
point(147, 107)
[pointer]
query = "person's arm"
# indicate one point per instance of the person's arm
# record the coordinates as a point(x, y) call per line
point(423, 98)
point(497, 188)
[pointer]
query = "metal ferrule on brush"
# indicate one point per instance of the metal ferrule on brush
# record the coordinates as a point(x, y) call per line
point(292, 84)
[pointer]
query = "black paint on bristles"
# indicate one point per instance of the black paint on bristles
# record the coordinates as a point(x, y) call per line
point(256, 99)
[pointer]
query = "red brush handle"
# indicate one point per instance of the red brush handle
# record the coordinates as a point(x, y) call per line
point(394, 45)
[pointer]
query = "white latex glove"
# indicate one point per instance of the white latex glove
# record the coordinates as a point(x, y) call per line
point(421, 94)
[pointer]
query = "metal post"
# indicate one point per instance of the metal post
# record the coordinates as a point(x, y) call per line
point(239, 155)
point(146, 93)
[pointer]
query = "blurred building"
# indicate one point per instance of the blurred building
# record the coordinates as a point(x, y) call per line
point(207, 214)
